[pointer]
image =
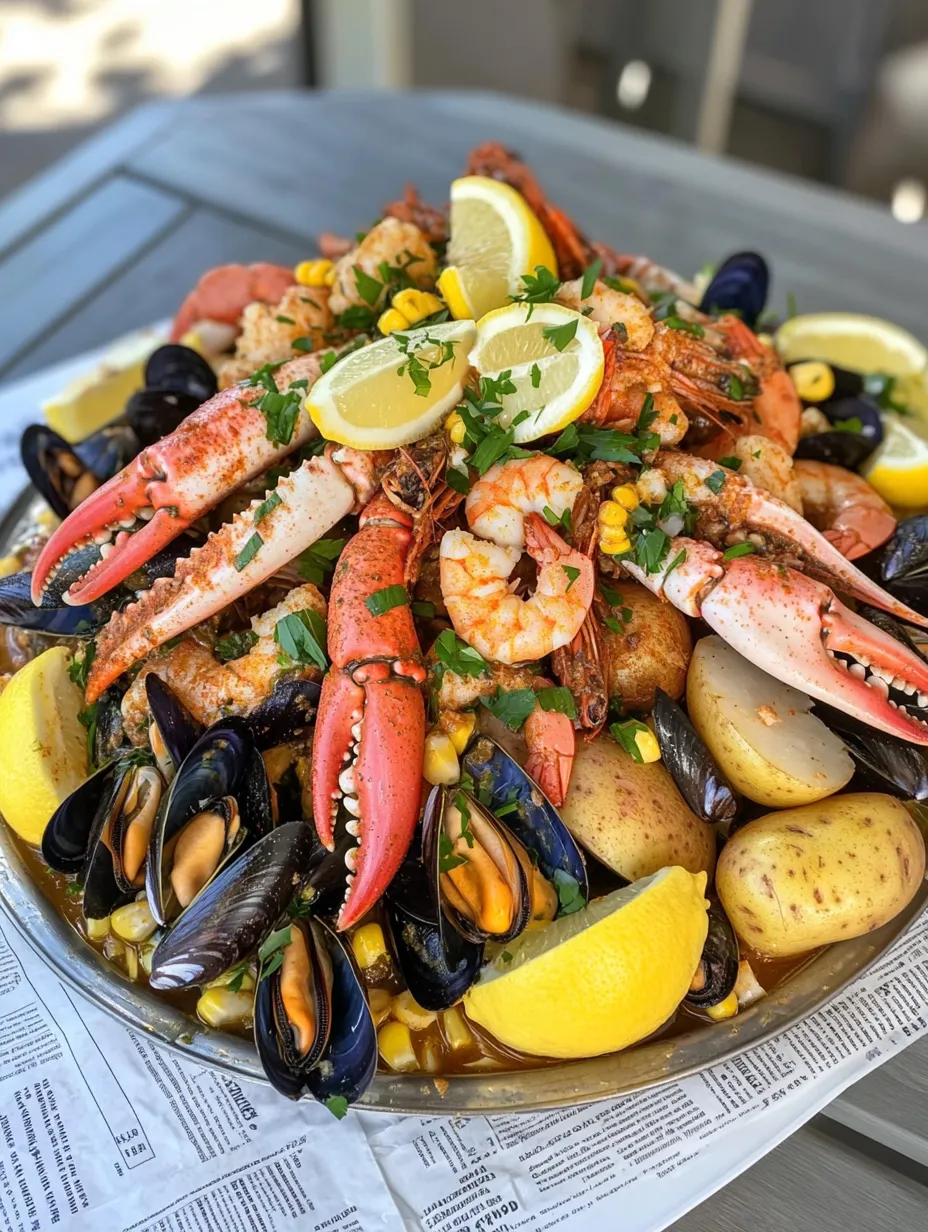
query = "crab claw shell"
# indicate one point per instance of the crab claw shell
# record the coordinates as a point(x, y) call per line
point(793, 627)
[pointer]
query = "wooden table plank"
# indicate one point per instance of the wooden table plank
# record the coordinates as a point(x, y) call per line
point(331, 161)
point(45, 280)
point(891, 1104)
point(153, 286)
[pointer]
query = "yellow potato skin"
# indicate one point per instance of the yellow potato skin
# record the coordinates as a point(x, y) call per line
point(631, 816)
point(747, 769)
point(805, 877)
point(652, 651)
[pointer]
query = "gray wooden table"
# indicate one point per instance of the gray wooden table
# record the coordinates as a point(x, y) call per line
point(112, 238)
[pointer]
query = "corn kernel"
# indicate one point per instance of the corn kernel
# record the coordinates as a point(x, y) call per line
point(612, 514)
point(314, 273)
point(455, 427)
point(414, 305)
point(430, 1054)
point(626, 496)
point(97, 929)
point(133, 922)
point(194, 341)
point(814, 381)
point(459, 727)
point(614, 545)
point(369, 945)
point(648, 747)
point(455, 1030)
point(132, 962)
point(222, 1008)
point(725, 1009)
point(9, 564)
point(379, 1002)
point(766, 339)
point(330, 277)
point(395, 1045)
point(407, 1010)
point(390, 321)
point(440, 763)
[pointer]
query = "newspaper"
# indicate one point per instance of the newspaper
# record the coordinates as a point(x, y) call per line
point(100, 1128)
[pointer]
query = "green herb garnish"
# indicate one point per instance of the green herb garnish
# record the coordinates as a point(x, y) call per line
point(561, 336)
point(319, 560)
point(456, 656)
point(570, 896)
point(234, 645)
point(248, 552)
point(265, 508)
point(386, 599)
point(739, 549)
point(557, 699)
point(301, 636)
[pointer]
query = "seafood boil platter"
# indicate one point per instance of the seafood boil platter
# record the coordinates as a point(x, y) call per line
point(474, 669)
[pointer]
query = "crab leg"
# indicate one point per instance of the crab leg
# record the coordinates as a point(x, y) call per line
point(742, 506)
point(795, 629)
point(370, 730)
point(171, 484)
point(239, 556)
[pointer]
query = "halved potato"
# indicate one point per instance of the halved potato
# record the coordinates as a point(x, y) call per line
point(760, 731)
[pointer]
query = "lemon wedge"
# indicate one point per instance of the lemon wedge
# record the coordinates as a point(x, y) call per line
point(898, 468)
point(44, 745)
point(495, 239)
point(554, 357)
point(616, 971)
point(394, 391)
point(853, 341)
point(98, 396)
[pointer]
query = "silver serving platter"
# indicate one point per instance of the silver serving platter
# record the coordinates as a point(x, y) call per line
point(555, 1086)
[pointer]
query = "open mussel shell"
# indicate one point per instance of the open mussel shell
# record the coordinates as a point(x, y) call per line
point(288, 714)
point(849, 446)
point(347, 1067)
point(177, 367)
point(67, 835)
point(58, 474)
point(883, 762)
point(155, 413)
point(235, 912)
point(17, 608)
point(717, 972)
point(741, 283)
point(109, 737)
point(904, 563)
point(114, 869)
point(529, 814)
point(437, 965)
point(698, 777)
point(479, 875)
point(293, 1008)
point(200, 825)
point(173, 730)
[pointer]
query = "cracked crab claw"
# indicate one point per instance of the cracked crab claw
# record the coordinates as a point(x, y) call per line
point(795, 629)
point(172, 483)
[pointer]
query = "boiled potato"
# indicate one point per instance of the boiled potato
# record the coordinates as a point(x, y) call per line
point(631, 816)
point(805, 877)
point(651, 651)
point(760, 731)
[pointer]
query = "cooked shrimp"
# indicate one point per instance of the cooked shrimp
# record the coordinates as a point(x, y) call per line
point(549, 734)
point(400, 245)
point(629, 379)
point(777, 408)
point(209, 688)
point(610, 308)
point(269, 332)
point(223, 294)
point(497, 504)
point(500, 624)
point(767, 465)
point(844, 507)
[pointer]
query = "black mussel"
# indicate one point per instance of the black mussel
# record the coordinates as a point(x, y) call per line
point(180, 368)
point(114, 870)
point(106, 452)
point(438, 966)
point(173, 730)
point(858, 429)
point(412, 891)
point(482, 877)
point(109, 738)
point(17, 608)
point(698, 777)
point(56, 471)
point(254, 798)
point(883, 762)
point(154, 413)
point(67, 835)
point(740, 283)
point(348, 1065)
point(286, 715)
point(325, 879)
point(293, 1008)
point(526, 811)
point(200, 825)
point(904, 565)
point(237, 910)
point(717, 972)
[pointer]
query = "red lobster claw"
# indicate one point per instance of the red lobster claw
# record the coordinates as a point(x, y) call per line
point(370, 734)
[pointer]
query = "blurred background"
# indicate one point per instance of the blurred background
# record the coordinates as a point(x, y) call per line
point(831, 90)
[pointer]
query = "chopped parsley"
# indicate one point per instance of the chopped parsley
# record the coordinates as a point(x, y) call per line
point(280, 409)
point(368, 288)
point(585, 443)
point(687, 327)
point(557, 699)
point(590, 274)
point(418, 368)
point(266, 506)
point(625, 733)
point(569, 895)
point(715, 482)
point(248, 552)
point(79, 667)
point(851, 424)
point(457, 480)
point(488, 440)
point(386, 599)
point(735, 387)
point(561, 336)
point(572, 574)
point(559, 523)
point(618, 284)
point(327, 361)
point(447, 860)
point(511, 706)
point(319, 560)
point(357, 316)
point(422, 607)
point(282, 320)
point(271, 953)
point(234, 645)
point(739, 549)
point(538, 288)
point(678, 560)
point(536, 376)
point(338, 1106)
point(733, 464)
point(88, 720)
point(456, 656)
point(301, 637)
